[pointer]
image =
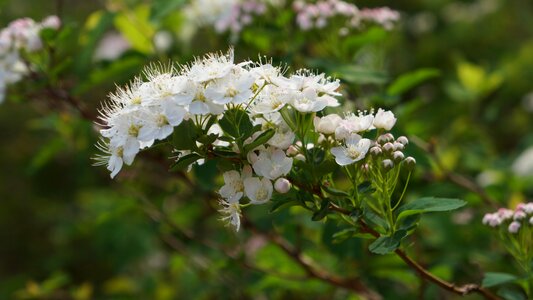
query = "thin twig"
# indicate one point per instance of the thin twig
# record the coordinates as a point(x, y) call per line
point(308, 265)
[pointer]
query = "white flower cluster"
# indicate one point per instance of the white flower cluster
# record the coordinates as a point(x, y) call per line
point(146, 111)
point(233, 15)
point(282, 106)
point(21, 34)
point(353, 147)
point(513, 220)
point(319, 14)
point(225, 15)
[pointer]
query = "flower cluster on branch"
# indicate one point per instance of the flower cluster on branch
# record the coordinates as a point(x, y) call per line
point(265, 126)
point(21, 35)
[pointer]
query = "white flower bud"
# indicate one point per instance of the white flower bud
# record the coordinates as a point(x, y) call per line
point(385, 138)
point(403, 140)
point(282, 185)
point(162, 41)
point(388, 147)
point(292, 151)
point(252, 157)
point(327, 124)
point(300, 157)
point(376, 151)
point(51, 22)
point(531, 220)
point(384, 119)
point(397, 156)
point(519, 215)
point(409, 163)
point(387, 164)
point(398, 146)
point(514, 227)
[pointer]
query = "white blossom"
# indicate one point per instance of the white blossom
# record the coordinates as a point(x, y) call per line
point(231, 210)
point(272, 163)
point(234, 88)
point(353, 123)
point(234, 183)
point(327, 124)
point(354, 150)
point(259, 191)
point(384, 119)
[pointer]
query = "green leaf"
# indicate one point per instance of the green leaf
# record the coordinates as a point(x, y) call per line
point(325, 167)
point(207, 139)
point(183, 162)
point(495, 278)
point(409, 80)
point(360, 75)
point(282, 202)
point(136, 28)
point(263, 138)
point(185, 136)
point(387, 244)
point(162, 8)
point(335, 192)
point(119, 68)
point(370, 36)
point(225, 153)
point(95, 27)
point(345, 234)
point(322, 212)
point(428, 204)
point(237, 124)
point(408, 223)
point(377, 222)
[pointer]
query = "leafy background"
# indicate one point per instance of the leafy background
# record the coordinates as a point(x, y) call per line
point(456, 73)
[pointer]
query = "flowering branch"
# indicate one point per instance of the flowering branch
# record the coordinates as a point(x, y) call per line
point(264, 124)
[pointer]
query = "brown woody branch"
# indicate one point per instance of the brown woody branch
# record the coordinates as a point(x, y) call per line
point(422, 272)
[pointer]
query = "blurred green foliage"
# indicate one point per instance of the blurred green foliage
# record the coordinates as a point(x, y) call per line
point(456, 73)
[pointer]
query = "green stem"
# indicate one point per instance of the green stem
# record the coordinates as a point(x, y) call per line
point(403, 192)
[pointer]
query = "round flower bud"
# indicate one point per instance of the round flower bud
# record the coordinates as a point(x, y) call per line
point(387, 164)
point(519, 215)
point(388, 147)
point(376, 151)
point(282, 185)
point(384, 119)
point(51, 22)
point(514, 227)
point(292, 151)
point(252, 157)
point(300, 157)
point(409, 163)
point(403, 140)
point(398, 146)
point(531, 220)
point(385, 138)
point(327, 124)
point(397, 156)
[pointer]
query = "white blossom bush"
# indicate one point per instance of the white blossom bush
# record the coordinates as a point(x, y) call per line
point(234, 15)
point(273, 139)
